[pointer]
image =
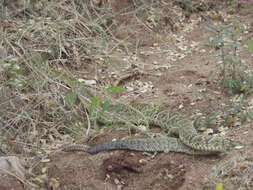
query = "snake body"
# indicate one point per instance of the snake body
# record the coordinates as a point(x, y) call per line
point(188, 141)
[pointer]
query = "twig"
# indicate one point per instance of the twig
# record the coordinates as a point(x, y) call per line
point(131, 75)
point(88, 121)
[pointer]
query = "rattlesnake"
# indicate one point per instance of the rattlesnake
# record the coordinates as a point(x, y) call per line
point(188, 141)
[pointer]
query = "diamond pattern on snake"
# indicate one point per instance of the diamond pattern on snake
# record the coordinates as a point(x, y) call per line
point(189, 141)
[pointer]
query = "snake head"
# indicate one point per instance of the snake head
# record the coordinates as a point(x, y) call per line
point(231, 144)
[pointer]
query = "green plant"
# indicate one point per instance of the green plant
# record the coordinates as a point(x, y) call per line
point(232, 69)
point(97, 105)
point(249, 44)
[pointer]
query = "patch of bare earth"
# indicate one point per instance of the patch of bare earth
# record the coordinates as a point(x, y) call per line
point(136, 170)
point(7, 183)
point(128, 170)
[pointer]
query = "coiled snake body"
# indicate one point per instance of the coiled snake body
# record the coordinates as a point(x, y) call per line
point(188, 141)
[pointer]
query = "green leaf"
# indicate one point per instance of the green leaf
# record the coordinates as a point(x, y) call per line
point(206, 43)
point(221, 29)
point(249, 43)
point(211, 27)
point(234, 44)
point(219, 186)
point(217, 40)
point(70, 98)
point(95, 103)
point(244, 88)
point(225, 30)
point(106, 105)
point(114, 89)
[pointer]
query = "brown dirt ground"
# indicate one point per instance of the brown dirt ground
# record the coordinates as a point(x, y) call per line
point(135, 170)
point(177, 85)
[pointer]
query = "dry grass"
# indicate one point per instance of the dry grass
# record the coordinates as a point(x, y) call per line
point(48, 45)
point(234, 173)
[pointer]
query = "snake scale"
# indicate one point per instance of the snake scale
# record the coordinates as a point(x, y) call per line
point(188, 140)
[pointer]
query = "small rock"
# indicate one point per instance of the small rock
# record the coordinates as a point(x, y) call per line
point(90, 82)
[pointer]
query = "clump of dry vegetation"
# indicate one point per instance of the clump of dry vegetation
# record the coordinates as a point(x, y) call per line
point(234, 173)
